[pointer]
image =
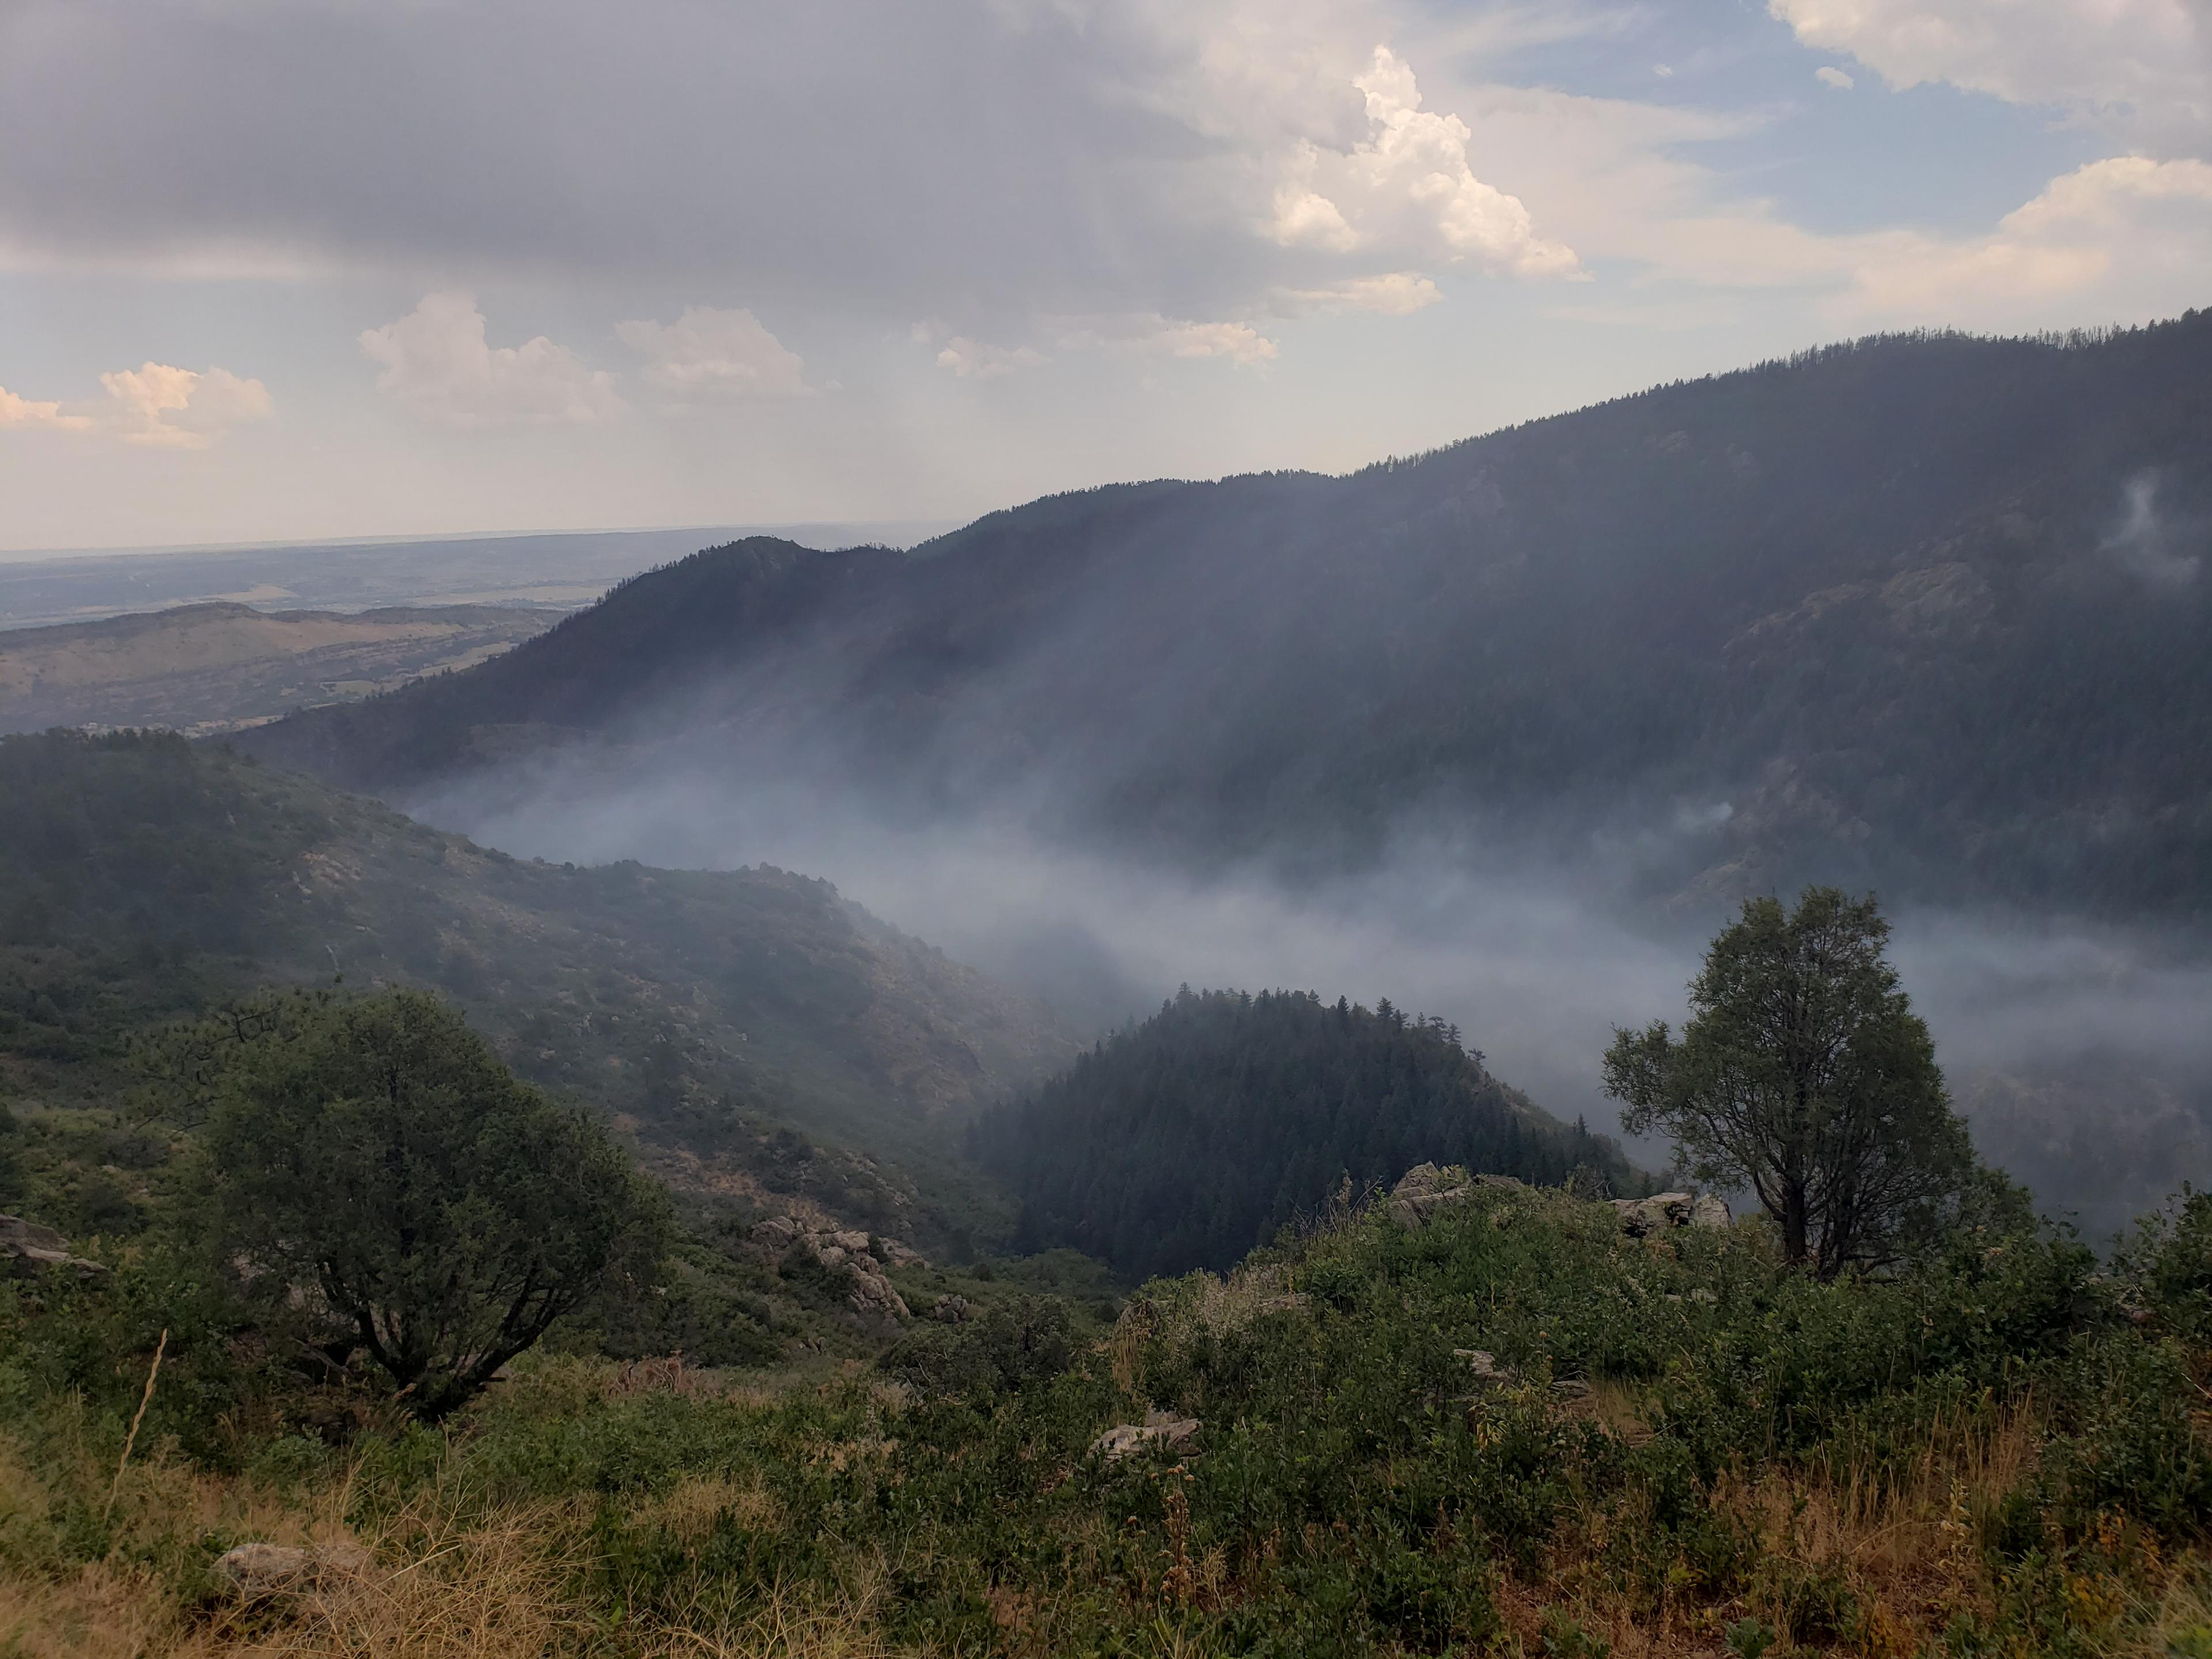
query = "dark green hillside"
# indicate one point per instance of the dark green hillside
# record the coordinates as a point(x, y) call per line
point(1925, 614)
point(1187, 1140)
point(733, 1019)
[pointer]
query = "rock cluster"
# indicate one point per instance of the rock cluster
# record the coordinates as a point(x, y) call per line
point(1640, 1218)
point(952, 1311)
point(1425, 1189)
point(1161, 1431)
point(257, 1571)
point(835, 1248)
point(27, 1249)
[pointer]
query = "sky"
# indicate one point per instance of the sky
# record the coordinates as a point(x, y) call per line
point(280, 270)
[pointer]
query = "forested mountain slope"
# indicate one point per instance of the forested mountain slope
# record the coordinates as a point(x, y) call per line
point(1192, 1139)
point(1926, 613)
point(732, 1020)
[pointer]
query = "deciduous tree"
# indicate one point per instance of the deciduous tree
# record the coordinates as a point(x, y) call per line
point(1804, 1074)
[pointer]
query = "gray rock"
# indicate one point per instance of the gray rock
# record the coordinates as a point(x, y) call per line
point(27, 1249)
point(1425, 1189)
point(1160, 1430)
point(257, 1571)
point(951, 1310)
point(873, 1293)
point(1484, 1366)
point(778, 1233)
point(1640, 1218)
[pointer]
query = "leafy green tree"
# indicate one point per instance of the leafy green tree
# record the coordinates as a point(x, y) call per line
point(1804, 1073)
point(375, 1151)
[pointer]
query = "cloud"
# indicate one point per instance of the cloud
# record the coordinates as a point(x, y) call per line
point(156, 405)
point(1395, 294)
point(1408, 182)
point(1829, 75)
point(974, 359)
point(2126, 238)
point(1240, 342)
point(178, 409)
point(2147, 64)
point(707, 352)
point(21, 415)
point(435, 358)
point(2129, 230)
point(1102, 156)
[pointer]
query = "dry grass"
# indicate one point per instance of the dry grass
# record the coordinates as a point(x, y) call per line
point(1907, 1549)
point(440, 1578)
point(495, 1586)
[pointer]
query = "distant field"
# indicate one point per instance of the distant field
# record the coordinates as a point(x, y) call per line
point(207, 668)
point(565, 571)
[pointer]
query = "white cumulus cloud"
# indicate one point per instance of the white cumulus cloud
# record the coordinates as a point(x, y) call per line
point(437, 359)
point(1409, 183)
point(710, 353)
point(2133, 232)
point(174, 407)
point(22, 415)
point(1829, 75)
point(2148, 61)
point(156, 405)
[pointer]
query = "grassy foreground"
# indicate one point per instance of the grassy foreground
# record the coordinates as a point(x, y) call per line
point(1690, 1450)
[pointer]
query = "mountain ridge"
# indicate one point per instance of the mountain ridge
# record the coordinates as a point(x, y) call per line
point(1918, 612)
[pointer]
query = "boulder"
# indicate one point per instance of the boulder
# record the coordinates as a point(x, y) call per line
point(951, 1310)
point(873, 1293)
point(257, 1571)
point(1640, 1218)
point(777, 1234)
point(1484, 1365)
point(1160, 1430)
point(27, 1249)
point(1425, 1189)
point(853, 1243)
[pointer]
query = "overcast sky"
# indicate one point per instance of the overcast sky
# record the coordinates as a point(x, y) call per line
point(276, 269)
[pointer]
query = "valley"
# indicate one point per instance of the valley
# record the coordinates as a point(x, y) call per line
point(1164, 1195)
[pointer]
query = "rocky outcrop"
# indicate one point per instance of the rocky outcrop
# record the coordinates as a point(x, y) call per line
point(1159, 1431)
point(27, 1250)
point(1642, 1218)
point(1425, 1189)
point(846, 1250)
point(832, 1245)
point(258, 1571)
point(952, 1311)
point(873, 1294)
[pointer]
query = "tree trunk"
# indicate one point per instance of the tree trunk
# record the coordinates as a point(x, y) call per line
point(1795, 1221)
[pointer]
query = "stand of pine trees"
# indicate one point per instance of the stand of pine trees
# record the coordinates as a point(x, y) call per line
point(1185, 1141)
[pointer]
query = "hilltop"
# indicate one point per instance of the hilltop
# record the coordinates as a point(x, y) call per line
point(1923, 613)
point(1195, 1137)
